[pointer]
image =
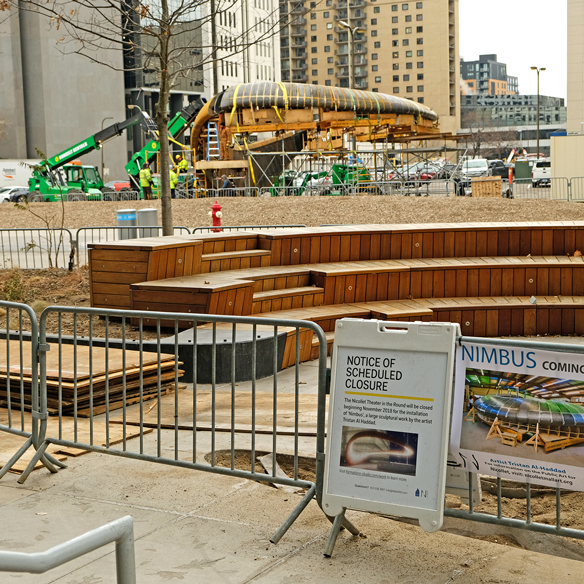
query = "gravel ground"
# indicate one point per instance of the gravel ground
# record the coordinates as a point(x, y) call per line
point(310, 211)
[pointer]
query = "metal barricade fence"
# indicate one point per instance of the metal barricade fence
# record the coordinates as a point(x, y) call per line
point(86, 235)
point(577, 189)
point(107, 383)
point(417, 188)
point(245, 228)
point(35, 248)
point(122, 195)
point(556, 189)
point(229, 192)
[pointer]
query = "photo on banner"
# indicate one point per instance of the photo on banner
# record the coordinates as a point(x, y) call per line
point(518, 413)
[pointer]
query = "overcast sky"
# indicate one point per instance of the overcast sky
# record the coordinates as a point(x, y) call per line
point(521, 34)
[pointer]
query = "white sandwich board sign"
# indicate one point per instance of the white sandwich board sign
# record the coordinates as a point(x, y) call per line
point(389, 419)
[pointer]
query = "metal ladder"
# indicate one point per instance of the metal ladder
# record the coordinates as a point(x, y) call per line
point(213, 142)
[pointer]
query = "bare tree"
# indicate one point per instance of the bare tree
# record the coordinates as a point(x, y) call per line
point(170, 39)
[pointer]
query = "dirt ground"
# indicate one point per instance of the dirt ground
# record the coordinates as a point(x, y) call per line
point(309, 211)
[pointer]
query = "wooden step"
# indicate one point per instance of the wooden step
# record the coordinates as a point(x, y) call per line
point(235, 260)
point(287, 298)
point(330, 339)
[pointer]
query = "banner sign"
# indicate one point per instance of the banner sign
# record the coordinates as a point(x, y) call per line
point(389, 419)
point(518, 414)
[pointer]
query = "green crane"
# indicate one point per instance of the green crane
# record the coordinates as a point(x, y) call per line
point(57, 178)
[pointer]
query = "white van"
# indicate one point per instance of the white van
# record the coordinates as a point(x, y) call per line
point(15, 172)
point(541, 173)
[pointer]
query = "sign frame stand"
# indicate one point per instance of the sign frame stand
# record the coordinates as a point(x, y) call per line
point(397, 439)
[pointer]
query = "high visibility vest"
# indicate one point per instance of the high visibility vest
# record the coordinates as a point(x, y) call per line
point(173, 179)
point(145, 177)
point(183, 166)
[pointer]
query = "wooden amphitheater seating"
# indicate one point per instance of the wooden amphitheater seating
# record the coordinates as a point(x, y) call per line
point(480, 275)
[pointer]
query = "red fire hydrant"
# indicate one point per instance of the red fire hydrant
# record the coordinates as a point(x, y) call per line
point(216, 215)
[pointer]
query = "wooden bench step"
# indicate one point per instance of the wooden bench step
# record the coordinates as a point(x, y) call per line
point(287, 298)
point(286, 292)
point(229, 255)
point(235, 260)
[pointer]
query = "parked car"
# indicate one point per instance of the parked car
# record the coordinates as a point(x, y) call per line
point(118, 185)
point(475, 167)
point(6, 193)
point(541, 173)
point(19, 196)
point(499, 168)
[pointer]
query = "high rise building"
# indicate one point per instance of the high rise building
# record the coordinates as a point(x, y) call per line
point(575, 65)
point(408, 49)
point(487, 77)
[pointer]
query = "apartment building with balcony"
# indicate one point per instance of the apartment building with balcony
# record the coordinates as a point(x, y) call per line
point(407, 49)
point(487, 76)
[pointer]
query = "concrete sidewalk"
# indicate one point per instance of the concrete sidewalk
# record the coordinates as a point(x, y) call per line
point(198, 527)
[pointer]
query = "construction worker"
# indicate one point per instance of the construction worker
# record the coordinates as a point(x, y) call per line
point(146, 181)
point(173, 181)
point(182, 164)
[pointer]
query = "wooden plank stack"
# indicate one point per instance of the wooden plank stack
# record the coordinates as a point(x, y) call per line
point(86, 375)
point(486, 186)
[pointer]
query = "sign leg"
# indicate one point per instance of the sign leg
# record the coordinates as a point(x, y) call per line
point(330, 544)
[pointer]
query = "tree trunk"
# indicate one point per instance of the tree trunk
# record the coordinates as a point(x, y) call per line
point(162, 121)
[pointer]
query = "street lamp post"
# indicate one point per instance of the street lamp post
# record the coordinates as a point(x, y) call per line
point(538, 69)
point(352, 33)
point(102, 121)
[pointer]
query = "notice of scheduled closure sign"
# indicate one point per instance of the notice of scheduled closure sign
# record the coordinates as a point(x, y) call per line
point(389, 419)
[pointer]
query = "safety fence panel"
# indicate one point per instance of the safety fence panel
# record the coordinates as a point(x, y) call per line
point(35, 248)
point(208, 399)
point(577, 189)
point(87, 235)
point(19, 391)
point(120, 531)
point(553, 188)
point(245, 228)
point(507, 513)
point(122, 195)
point(230, 192)
point(417, 188)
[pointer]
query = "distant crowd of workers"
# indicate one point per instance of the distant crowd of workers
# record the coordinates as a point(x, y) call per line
point(146, 176)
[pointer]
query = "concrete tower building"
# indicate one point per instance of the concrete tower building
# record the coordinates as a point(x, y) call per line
point(575, 65)
point(408, 49)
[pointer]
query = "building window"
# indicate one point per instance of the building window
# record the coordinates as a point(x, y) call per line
point(408, 18)
point(376, 9)
point(330, 72)
point(406, 77)
point(408, 30)
point(408, 53)
point(314, 72)
point(374, 21)
point(419, 17)
point(394, 7)
point(378, 80)
point(420, 41)
point(374, 56)
point(420, 53)
point(395, 43)
point(329, 37)
point(313, 50)
point(395, 65)
point(315, 61)
point(329, 25)
point(313, 27)
point(420, 64)
point(375, 90)
point(418, 5)
point(406, 42)
point(376, 45)
point(394, 19)
point(405, 6)
point(419, 29)
point(328, 82)
point(395, 55)
point(327, 49)
point(326, 14)
point(394, 31)
point(396, 77)
point(313, 38)
point(315, 82)
point(420, 88)
point(396, 89)
point(409, 89)
point(329, 2)
point(374, 67)
point(420, 76)
point(329, 59)
point(409, 65)
point(313, 4)
point(420, 100)
point(313, 16)
point(373, 33)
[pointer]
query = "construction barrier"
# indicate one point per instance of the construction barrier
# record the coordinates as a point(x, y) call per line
point(556, 189)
